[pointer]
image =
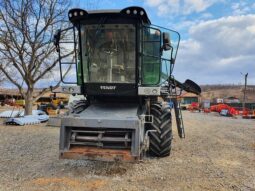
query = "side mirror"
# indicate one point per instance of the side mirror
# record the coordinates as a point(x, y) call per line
point(57, 39)
point(166, 41)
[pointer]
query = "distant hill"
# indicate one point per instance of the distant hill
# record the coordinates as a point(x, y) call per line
point(223, 91)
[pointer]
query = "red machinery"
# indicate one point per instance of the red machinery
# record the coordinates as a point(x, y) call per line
point(219, 107)
point(249, 114)
point(232, 111)
point(194, 106)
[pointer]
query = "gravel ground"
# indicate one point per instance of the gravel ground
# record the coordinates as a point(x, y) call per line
point(217, 154)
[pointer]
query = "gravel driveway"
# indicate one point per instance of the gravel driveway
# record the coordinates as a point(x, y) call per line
point(217, 154)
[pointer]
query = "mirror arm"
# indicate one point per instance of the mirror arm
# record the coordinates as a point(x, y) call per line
point(172, 59)
point(161, 50)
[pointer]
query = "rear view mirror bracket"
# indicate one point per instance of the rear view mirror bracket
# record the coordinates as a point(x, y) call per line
point(166, 42)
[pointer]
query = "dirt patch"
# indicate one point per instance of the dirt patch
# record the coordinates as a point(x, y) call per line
point(47, 181)
point(115, 171)
point(217, 154)
point(65, 183)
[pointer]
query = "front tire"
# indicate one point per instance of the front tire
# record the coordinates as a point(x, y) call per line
point(161, 140)
point(77, 106)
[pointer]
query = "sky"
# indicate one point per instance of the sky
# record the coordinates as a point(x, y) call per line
point(217, 36)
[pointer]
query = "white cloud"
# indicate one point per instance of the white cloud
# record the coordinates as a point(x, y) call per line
point(183, 25)
point(218, 50)
point(251, 29)
point(196, 5)
point(184, 7)
point(164, 6)
point(154, 3)
point(185, 22)
point(241, 8)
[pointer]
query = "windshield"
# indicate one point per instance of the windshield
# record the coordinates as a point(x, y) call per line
point(108, 53)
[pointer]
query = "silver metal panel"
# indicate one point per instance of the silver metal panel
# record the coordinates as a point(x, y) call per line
point(107, 123)
point(149, 90)
point(54, 121)
point(111, 111)
point(106, 116)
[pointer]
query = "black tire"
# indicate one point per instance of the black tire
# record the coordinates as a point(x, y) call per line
point(78, 106)
point(160, 141)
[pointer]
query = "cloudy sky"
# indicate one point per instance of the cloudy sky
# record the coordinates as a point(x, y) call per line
point(217, 36)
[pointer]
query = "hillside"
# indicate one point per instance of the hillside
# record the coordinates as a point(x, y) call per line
point(221, 91)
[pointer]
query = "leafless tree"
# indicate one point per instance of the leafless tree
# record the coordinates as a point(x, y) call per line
point(2, 78)
point(27, 53)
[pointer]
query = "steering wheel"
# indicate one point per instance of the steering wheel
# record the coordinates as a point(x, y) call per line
point(109, 48)
point(112, 48)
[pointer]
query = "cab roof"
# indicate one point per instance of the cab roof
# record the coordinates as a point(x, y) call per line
point(139, 13)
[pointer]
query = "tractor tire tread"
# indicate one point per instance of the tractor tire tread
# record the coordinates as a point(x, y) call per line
point(160, 141)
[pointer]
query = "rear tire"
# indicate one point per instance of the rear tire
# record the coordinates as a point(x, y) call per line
point(160, 141)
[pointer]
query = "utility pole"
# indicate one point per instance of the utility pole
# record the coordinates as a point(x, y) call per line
point(244, 91)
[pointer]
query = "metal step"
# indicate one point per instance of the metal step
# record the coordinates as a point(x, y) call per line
point(179, 119)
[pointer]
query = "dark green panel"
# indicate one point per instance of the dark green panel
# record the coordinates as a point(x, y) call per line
point(150, 70)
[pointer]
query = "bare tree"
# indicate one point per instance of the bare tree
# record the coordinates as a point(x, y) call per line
point(27, 53)
point(2, 78)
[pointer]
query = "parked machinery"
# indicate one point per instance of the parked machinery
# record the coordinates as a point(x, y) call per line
point(123, 66)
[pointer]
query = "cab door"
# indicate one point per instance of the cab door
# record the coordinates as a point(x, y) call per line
point(67, 46)
point(151, 56)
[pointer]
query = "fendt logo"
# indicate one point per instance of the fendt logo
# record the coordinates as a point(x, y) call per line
point(107, 87)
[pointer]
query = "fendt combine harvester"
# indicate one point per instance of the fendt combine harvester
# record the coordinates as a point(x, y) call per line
point(123, 66)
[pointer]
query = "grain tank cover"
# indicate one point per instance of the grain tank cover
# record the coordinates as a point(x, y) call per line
point(77, 14)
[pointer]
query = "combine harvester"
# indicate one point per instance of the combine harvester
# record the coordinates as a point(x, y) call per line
point(123, 67)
